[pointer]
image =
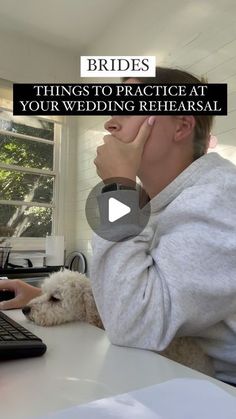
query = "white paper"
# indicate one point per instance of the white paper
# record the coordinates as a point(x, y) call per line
point(54, 249)
point(174, 399)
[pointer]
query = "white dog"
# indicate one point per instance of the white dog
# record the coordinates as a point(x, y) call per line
point(67, 296)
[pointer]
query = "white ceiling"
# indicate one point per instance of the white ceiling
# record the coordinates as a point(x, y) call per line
point(66, 24)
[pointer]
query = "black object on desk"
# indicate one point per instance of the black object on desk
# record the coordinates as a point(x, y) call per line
point(6, 295)
point(18, 342)
point(23, 273)
point(32, 276)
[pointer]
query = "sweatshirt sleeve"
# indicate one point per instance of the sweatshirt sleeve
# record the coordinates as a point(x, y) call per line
point(176, 278)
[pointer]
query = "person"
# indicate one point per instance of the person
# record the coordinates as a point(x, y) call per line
point(178, 276)
point(23, 293)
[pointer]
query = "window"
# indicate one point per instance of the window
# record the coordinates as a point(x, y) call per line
point(29, 171)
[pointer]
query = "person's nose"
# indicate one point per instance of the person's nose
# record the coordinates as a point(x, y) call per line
point(26, 310)
point(112, 125)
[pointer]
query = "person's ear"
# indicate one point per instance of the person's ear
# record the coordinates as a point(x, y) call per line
point(185, 125)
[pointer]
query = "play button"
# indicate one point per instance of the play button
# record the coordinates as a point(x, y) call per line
point(117, 212)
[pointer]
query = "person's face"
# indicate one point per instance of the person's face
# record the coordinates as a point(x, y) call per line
point(125, 128)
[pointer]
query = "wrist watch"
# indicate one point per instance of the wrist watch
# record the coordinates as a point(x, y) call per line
point(117, 187)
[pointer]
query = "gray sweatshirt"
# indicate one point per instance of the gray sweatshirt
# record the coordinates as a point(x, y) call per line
point(177, 277)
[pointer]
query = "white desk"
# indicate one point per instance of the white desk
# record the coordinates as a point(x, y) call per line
point(79, 366)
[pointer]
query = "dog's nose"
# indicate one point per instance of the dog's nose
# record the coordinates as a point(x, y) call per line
point(26, 310)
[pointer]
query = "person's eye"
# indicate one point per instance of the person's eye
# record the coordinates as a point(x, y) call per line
point(53, 299)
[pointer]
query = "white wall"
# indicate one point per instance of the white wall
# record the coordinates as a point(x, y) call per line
point(90, 134)
point(25, 61)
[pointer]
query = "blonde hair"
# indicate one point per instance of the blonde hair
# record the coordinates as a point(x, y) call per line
point(204, 123)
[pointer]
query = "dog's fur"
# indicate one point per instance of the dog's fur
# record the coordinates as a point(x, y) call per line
point(67, 296)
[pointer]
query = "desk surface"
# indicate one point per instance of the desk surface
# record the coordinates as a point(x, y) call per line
point(79, 366)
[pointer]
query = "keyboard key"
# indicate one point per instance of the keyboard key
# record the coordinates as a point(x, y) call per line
point(8, 337)
point(18, 335)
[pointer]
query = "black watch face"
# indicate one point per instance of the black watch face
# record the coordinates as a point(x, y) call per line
point(110, 187)
point(117, 207)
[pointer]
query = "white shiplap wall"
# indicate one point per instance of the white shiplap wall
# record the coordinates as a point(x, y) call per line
point(199, 36)
point(90, 134)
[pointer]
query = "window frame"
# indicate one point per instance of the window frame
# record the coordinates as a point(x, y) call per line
point(59, 150)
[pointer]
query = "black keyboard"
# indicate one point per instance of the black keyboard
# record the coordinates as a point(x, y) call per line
point(18, 342)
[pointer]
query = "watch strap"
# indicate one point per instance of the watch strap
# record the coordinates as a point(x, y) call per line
point(116, 187)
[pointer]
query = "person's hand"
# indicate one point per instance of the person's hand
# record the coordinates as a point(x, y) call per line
point(116, 159)
point(23, 293)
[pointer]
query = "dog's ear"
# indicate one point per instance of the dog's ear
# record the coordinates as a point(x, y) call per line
point(91, 312)
point(55, 296)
